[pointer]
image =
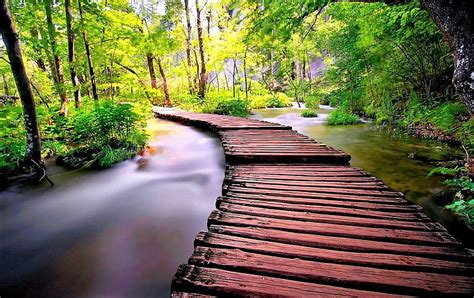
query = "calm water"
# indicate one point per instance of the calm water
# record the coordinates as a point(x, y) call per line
point(116, 232)
point(381, 153)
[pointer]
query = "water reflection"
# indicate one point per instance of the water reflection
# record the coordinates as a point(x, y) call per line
point(116, 232)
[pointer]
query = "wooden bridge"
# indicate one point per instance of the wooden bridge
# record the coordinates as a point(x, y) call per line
point(296, 220)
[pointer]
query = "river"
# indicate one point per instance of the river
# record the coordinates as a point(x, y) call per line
point(119, 232)
point(123, 231)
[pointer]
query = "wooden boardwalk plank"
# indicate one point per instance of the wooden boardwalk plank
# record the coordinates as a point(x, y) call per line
point(296, 220)
point(330, 218)
point(377, 260)
point(400, 282)
point(342, 243)
point(224, 282)
point(344, 211)
point(374, 233)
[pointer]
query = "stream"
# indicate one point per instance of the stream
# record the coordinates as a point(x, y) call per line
point(119, 232)
point(123, 231)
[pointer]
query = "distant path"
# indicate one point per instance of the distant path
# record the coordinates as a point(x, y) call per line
point(296, 220)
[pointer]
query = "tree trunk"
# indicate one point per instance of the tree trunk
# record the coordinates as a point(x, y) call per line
point(5, 86)
point(164, 83)
point(88, 53)
point(151, 69)
point(58, 71)
point(202, 74)
point(71, 54)
point(188, 47)
point(12, 45)
point(234, 70)
point(245, 75)
point(455, 19)
point(37, 49)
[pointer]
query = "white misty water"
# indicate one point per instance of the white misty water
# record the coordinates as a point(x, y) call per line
point(122, 231)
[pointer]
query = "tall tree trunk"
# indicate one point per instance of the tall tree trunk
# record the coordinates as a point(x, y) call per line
point(245, 75)
point(455, 18)
point(164, 83)
point(188, 47)
point(58, 71)
point(202, 74)
point(208, 19)
point(234, 70)
point(151, 69)
point(88, 53)
point(71, 37)
point(12, 44)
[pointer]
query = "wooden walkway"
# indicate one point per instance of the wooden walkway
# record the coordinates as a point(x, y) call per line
point(296, 220)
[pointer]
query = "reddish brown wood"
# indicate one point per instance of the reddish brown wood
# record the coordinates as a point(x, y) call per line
point(296, 220)
point(359, 277)
point(378, 260)
point(440, 238)
point(342, 243)
point(328, 202)
point(223, 282)
point(319, 195)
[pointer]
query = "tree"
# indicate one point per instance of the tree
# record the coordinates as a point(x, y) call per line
point(188, 47)
point(12, 44)
point(95, 95)
point(56, 60)
point(71, 37)
point(454, 19)
point(203, 72)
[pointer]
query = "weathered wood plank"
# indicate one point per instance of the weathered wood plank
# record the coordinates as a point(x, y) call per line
point(393, 215)
point(388, 207)
point(223, 282)
point(342, 243)
point(440, 238)
point(421, 225)
point(359, 277)
point(378, 260)
point(319, 195)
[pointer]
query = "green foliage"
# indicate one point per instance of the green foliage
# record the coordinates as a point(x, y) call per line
point(465, 133)
point(342, 116)
point(233, 107)
point(107, 133)
point(276, 100)
point(309, 113)
point(12, 137)
point(463, 186)
point(312, 101)
point(464, 209)
point(53, 148)
point(215, 103)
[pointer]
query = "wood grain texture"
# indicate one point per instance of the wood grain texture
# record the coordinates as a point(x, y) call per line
point(296, 220)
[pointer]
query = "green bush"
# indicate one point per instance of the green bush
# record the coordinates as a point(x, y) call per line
point(233, 107)
point(104, 134)
point(463, 186)
point(309, 113)
point(465, 133)
point(342, 116)
point(446, 116)
point(312, 101)
point(12, 137)
point(261, 101)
